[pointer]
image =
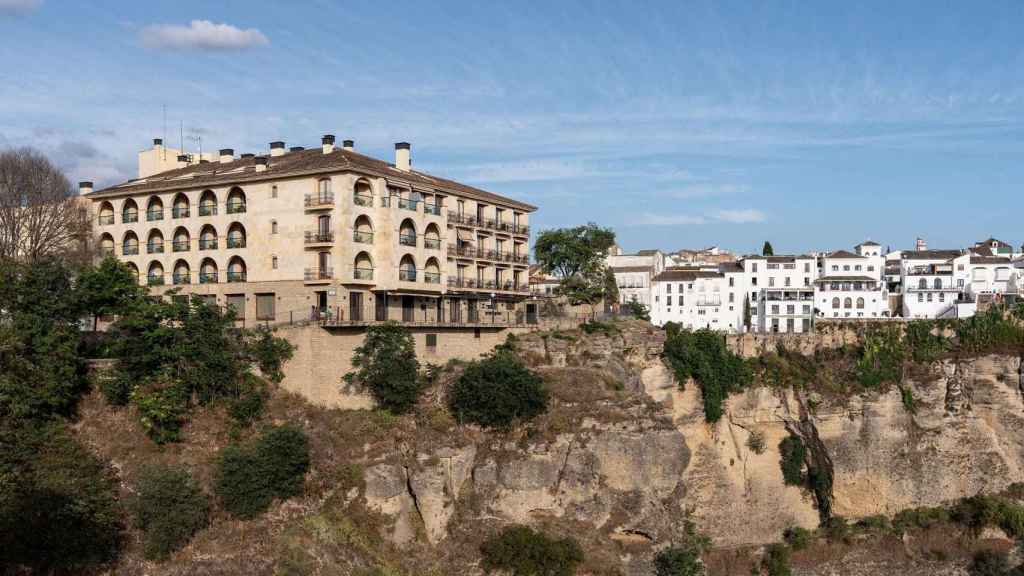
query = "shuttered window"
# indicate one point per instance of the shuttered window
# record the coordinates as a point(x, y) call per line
point(265, 306)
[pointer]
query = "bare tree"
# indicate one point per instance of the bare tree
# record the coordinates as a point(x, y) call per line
point(41, 215)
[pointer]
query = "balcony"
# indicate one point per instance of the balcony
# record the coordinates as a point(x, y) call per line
point(236, 242)
point(385, 201)
point(362, 273)
point(208, 244)
point(318, 274)
point(319, 237)
point(236, 207)
point(179, 212)
point(106, 219)
point(207, 277)
point(130, 218)
point(488, 223)
point(130, 250)
point(432, 243)
point(480, 284)
point(319, 201)
point(434, 209)
point(406, 275)
point(362, 200)
point(180, 245)
point(407, 239)
point(153, 280)
point(107, 251)
point(154, 215)
point(432, 277)
point(236, 276)
point(709, 302)
point(207, 209)
point(154, 248)
point(362, 237)
point(182, 278)
point(406, 204)
point(464, 251)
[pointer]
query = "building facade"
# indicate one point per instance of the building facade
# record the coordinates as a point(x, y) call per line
point(781, 292)
point(700, 297)
point(851, 285)
point(324, 232)
point(634, 272)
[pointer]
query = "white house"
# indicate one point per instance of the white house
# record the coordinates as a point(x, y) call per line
point(633, 273)
point(851, 285)
point(700, 297)
point(781, 292)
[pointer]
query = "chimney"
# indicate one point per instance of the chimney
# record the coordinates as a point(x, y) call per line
point(296, 149)
point(403, 150)
point(277, 148)
point(247, 155)
point(920, 245)
point(261, 163)
point(158, 143)
point(84, 188)
point(182, 157)
point(327, 142)
point(348, 144)
point(226, 155)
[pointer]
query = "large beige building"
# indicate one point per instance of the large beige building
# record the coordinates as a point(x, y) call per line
point(325, 232)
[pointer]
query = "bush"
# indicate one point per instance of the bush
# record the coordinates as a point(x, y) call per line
point(837, 529)
point(497, 391)
point(386, 366)
point(792, 454)
point(638, 310)
point(922, 517)
point(59, 511)
point(248, 404)
point(989, 563)
point(881, 360)
point(703, 356)
point(678, 561)
point(980, 511)
point(776, 560)
point(269, 353)
point(250, 476)
point(163, 407)
point(117, 388)
point(755, 442)
point(520, 551)
point(169, 509)
point(798, 538)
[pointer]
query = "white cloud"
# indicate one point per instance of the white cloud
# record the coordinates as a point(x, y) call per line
point(201, 34)
point(18, 6)
point(745, 216)
point(670, 220)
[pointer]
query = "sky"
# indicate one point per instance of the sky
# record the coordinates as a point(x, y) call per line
point(678, 124)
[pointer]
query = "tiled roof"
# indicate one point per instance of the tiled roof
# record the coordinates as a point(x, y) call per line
point(670, 275)
point(868, 243)
point(306, 162)
point(779, 258)
point(630, 268)
point(843, 254)
point(990, 260)
point(931, 254)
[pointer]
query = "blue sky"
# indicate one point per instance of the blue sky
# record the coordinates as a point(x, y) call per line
point(679, 124)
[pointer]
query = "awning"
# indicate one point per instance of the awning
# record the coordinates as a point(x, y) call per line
point(407, 292)
point(465, 236)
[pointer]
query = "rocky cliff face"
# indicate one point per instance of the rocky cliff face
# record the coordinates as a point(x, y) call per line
point(625, 457)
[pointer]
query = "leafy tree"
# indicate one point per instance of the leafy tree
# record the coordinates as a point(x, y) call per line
point(107, 289)
point(577, 257)
point(269, 352)
point(704, 356)
point(497, 391)
point(767, 249)
point(386, 365)
point(776, 560)
point(678, 561)
point(792, 454)
point(520, 551)
point(250, 476)
point(169, 509)
point(638, 310)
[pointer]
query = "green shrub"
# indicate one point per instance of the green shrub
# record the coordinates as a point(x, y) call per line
point(776, 560)
point(59, 511)
point(922, 517)
point(595, 326)
point(269, 352)
point(520, 551)
point(386, 366)
point(638, 310)
point(163, 407)
point(989, 563)
point(876, 523)
point(924, 346)
point(798, 538)
point(837, 529)
point(251, 475)
point(497, 391)
point(907, 396)
point(792, 454)
point(881, 359)
point(755, 442)
point(169, 509)
point(248, 404)
point(116, 387)
point(678, 561)
point(703, 356)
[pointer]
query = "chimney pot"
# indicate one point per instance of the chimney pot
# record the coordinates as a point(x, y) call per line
point(403, 153)
point(158, 141)
point(261, 163)
point(348, 144)
point(276, 148)
point(85, 187)
point(296, 149)
point(227, 155)
point(327, 143)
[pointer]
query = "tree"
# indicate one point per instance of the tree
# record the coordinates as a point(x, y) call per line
point(767, 250)
point(108, 288)
point(386, 365)
point(250, 476)
point(497, 391)
point(746, 311)
point(577, 257)
point(41, 215)
point(169, 509)
point(638, 310)
point(520, 551)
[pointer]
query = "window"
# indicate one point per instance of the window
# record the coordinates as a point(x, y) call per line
point(871, 268)
point(273, 262)
point(237, 303)
point(431, 341)
point(790, 309)
point(807, 267)
point(273, 191)
point(265, 306)
point(920, 297)
point(273, 226)
point(753, 267)
point(732, 282)
point(732, 297)
point(668, 300)
point(929, 296)
point(775, 308)
point(835, 302)
point(771, 281)
point(860, 303)
point(857, 267)
point(835, 268)
point(753, 281)
point(668, 288)
point(942, 296)
point(938, 283)
point(846, 267)
point(788, 280)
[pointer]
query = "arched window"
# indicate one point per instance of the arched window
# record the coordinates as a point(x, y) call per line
point(236, 201)
point(155, 276)
point(154, 209)
point(847, 302)
point(835, 302)
point(182, 273)
point(107, 245)
point(207, 203)
point(362, 232)
point(860, 303)
point(236, 235)
point(407, 233)
point(236, 269)
point(363, 193)
point(208, 271)
point(937, 283)
point(407, 269)
point(181, 205)
point(363, 267)
point(922, 283)
point(106, 214)
point(181, 240)
point(432, 272)
point(155, 242)
point(129, 212)
point(130, 244)
point(432, 237)
point(208, 238)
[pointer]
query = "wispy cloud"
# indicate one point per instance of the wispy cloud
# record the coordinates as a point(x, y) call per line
point(201, 35)
point(745, 216)
point(740, 216)
point(17, 7)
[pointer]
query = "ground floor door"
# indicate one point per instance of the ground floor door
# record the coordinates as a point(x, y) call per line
point(355, 306)
point(531, 313)
point(454, 311)
point(408, 308)
point(382, 306)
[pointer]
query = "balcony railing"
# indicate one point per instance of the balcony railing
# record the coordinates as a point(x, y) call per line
point(362, 237)
point(464, 251)
point(106, 219)
point(208, 244)
point(318, 237)
point(463, 219)
point(406, 275)
point(107, 251)
point(313, 274)
point(434, 209)
point(432, 243)
point(480, 284)
point(362, 273)
point(407, 239)
point(154, 215)
point(180, 246)
point(407, 204)
point(237, 276)
point(130, 217)
point(153, 280)
point(325, 200)
point(432, 277)
point(489, 223)
point(207, 209)
point(207, 277)
point(362, 200)
point(236, 242)
point(179, 212)
point(154, 248)
point(385, 201)
point(185, 278)
point(236, 207)
point(130, 250)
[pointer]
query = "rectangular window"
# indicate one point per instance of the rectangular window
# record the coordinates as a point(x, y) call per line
point(771, 281)
point(788, 281)
point(807, 267)
point(790, 309)
point(753, 267)
point(668, 288)
point(920, 297)
point(668, 300)
point(732, 282)
point(265, 306)
point(236, 302)
point(732, 297)
point(432, 341)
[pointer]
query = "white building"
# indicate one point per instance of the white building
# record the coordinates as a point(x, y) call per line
point(929, 288)
point(781, 292)
point(851, 285)
point(700, 297)
point(633, 273)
